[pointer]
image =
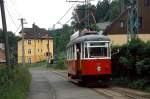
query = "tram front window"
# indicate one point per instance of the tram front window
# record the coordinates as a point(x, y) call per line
point(96, 49)
point(96, 52)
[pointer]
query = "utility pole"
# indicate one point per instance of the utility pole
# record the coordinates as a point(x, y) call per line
point(22, 33)
point(7, 54)
point(133, 23)
point(49, 54)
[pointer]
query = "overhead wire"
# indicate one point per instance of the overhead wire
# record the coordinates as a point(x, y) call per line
point(10, 16)
point(17, 29)
point(66, 13)
point(68, 21)
point(15, 10)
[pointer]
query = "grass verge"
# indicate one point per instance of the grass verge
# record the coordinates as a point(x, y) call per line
point(14, 82)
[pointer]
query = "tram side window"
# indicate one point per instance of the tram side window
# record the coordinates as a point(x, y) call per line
point(86, 52)
point(71, 53)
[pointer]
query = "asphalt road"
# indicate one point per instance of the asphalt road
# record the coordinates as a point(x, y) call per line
point(51, 85)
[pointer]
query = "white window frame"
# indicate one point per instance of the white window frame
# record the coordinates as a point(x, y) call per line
point(88, 45)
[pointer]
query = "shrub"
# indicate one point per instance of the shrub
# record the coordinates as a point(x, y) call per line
point(132, 62)
point(136, 47)
point(61, 62)
point(143, 67)
point(138, 84)
point(14, 82)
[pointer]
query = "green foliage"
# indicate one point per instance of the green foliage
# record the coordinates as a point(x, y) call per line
point(14, 82)
point(138, 84)
point(61, 62)
point(102, 10)
point(105, 10)
point(143, 67)
point(94, 27)
point(136, 47)
point(125, 61)
point(132, 62)
point(79, 15)
point(146, 51)
point(12, 40)
point(61, 38)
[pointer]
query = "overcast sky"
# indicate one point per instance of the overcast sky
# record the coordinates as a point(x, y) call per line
point(44, 13)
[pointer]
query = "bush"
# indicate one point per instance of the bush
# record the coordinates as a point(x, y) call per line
point(138, 84)
point(14, 82)
point(61, 62)
point(143, 67)
point(136, 48)
point(132, 62)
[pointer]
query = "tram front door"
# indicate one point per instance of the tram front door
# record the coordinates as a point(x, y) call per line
point(78, 58)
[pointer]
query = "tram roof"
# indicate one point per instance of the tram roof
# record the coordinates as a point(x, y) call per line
point(89, 38)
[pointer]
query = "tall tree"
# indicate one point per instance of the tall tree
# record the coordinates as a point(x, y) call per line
point(102, 9)
point(80, 18)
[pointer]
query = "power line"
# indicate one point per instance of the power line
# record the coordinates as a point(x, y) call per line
point(10, 16)
point(66, 13)
point(17, 29)
point(68, 20)
point(15, 10)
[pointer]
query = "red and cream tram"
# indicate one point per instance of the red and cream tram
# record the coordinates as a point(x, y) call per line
point(89, 57)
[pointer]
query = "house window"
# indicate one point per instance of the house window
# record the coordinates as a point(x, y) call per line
point(29, 60)
point(140, 22)
point(29, 42)
point(38, 41)
point(38, 50)
point(41, 50)
point(29, 51)
point(146, 2)
point(122, 24)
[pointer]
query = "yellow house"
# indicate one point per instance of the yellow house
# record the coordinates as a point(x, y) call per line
point(37, 45)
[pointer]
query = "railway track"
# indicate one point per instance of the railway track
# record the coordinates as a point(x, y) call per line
point(110, 92)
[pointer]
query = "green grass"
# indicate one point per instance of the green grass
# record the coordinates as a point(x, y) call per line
point(60, 65)
point(14, 82)
point(40, 64)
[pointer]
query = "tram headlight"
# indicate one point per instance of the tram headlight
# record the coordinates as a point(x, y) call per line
point(98, 68)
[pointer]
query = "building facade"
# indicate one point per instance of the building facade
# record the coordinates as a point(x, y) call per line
point(117, 30)
point(37, 45)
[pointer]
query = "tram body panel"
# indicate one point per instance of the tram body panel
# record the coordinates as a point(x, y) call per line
point(72, 67)
point(96, 67)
